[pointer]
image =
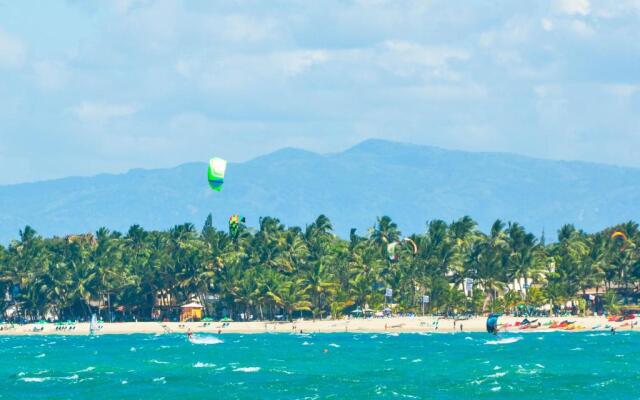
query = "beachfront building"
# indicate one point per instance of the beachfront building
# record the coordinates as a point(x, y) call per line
point(191, 312)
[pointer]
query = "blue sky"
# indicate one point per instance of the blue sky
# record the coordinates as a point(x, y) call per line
point(104, 86)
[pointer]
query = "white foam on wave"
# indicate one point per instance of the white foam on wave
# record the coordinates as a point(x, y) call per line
point(158, 362)
point(43, 379)
point(247, 369)
point(88, 369)
point(497, 375)
point(203, 365)
point(282, 371)
point(160, 379)
point(70, 378)
point(305, 343)
point(334, 345)
point(40, 355)
point(504, 341)
point(417, 360)
point(205, 340)
point(523, 371)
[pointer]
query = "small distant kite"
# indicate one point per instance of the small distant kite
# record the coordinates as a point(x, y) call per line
point(217, 168)
point(392, 248)
point(234, 224)
point(619, 237)
point(618, 234)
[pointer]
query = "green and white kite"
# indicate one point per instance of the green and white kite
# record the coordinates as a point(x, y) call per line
point(217, 168)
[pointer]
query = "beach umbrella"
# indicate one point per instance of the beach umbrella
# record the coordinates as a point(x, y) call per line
point(226, 319)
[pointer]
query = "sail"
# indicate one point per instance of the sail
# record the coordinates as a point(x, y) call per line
point(93, 325)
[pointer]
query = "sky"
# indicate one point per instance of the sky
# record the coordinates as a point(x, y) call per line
point(88, 87)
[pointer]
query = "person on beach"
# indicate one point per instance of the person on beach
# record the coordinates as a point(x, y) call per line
point(189, 334)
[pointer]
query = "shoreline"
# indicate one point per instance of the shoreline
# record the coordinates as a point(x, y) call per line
point(381, 325)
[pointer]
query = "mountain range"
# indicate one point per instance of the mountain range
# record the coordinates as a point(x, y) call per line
point(410, 183)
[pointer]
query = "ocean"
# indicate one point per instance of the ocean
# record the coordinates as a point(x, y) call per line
point(585, 365)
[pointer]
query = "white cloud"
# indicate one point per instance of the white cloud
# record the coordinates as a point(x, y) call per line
point(573, 7)
point(296, 62)
point(243, 28)
point(124, 6)
point(623, 90)
point(98, 113)
point(50, 74)
point(515, 31)
point(409, 59)
point(547, 24)
point(12, 51)
point(581, 28)
point(615, 8)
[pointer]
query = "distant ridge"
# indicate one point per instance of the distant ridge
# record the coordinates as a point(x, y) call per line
point(410, 183)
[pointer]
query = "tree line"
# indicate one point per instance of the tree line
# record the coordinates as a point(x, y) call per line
point(276, 271)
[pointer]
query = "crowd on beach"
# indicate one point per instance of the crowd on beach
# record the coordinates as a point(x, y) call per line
point(392, 325)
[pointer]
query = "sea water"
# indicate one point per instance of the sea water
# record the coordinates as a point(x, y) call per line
point(588, 365)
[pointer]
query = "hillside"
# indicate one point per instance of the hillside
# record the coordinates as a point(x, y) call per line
point(410, 183)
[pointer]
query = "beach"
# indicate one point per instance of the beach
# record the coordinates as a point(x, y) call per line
point(427, 324)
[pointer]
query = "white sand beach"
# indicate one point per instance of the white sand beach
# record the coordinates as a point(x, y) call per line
point(375, 325)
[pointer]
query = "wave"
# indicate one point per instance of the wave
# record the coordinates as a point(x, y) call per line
point(88, 369)
point(43, 379)
point(158, 362)
point(205, 340)
point(504, 340)
point(334, 345)
point(247, 369)
point(203, 365)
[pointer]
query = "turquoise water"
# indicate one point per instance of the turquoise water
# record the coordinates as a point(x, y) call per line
point(354, 366)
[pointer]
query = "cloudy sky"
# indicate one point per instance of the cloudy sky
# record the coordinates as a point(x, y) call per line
point(104, 86)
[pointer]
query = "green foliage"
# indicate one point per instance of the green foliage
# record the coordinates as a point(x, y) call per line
point(612, 303)
point(278, 270)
